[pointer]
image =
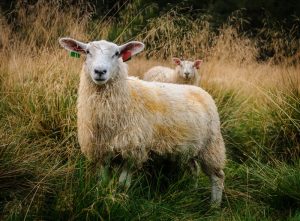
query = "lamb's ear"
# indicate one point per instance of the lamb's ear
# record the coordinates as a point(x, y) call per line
point(197, 63)
point(129, 49)
point(177, 61)
point(73, 45)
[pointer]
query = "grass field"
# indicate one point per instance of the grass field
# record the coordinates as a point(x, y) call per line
point(44, 176)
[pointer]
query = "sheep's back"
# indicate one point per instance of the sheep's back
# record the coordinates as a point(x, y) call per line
point(160, 74)
point(180, 115)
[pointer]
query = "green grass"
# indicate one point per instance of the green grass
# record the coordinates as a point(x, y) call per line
point(43, 174)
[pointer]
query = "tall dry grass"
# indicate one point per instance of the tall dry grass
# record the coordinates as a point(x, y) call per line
point(42, 172)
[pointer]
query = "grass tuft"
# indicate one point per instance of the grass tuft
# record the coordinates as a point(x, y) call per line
point(44, 176)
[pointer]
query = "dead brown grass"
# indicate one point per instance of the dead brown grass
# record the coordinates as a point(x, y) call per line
point(258, 103)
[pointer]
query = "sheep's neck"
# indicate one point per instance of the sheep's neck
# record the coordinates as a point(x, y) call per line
point(112, 95)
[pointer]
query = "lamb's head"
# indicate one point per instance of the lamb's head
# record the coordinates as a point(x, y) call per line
point(187, 69)
point(103, 59)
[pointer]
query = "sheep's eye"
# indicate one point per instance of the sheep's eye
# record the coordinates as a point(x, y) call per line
point(117, 54)
point(87, 51)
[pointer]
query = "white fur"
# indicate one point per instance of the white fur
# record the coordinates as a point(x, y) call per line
point(185, 72)
point(127, 117)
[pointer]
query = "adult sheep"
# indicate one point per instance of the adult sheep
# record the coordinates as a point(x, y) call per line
point(125, 116)
point(185, 72)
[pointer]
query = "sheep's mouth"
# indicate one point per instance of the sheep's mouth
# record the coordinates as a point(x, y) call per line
point(100, 79)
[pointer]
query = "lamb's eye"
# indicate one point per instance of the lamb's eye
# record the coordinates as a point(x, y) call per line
point(87, 51)
point(117, 54)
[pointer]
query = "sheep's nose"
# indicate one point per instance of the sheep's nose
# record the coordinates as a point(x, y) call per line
point(100, 72)
point(186, 74)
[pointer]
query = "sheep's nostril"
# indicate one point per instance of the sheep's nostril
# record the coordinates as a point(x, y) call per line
point(100, 72)
point(186, 74)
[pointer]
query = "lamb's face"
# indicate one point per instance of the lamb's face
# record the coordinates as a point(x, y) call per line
point(102, 61)
point(103, 58)
point(187, 69)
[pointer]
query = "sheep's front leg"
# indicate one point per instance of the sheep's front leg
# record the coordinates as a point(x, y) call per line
point(195, 170)
point(125, 177)
point(87, 140)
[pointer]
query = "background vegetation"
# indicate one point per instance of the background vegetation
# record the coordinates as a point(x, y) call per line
point(251, 68)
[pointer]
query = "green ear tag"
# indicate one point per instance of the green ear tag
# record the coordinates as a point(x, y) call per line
point(74, 54)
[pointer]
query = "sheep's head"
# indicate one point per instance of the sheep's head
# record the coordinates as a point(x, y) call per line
point(187, 69)
point(103, 58)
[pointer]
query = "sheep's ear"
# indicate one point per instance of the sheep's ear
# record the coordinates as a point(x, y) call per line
point(73, 45)
point(129, 49)
point(177, 61)
point(197, 64)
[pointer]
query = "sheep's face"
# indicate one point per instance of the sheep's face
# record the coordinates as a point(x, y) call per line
point(102, 61)
point(103, 58)
point(187, 69)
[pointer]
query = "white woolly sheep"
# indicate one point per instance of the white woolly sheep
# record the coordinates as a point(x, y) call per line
point(124, 116)
point(185, 72)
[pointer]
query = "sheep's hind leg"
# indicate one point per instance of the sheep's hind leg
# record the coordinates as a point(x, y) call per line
point(216, 177)
point(212, 163)
point(217, 186)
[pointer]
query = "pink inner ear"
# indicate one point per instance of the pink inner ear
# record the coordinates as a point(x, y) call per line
point(79, 49)
point(197, 64)
point(74, 46)
point(126, 55)
point(177, 61)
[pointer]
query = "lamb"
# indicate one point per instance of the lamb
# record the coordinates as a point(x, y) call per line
point(184, 73)
point(124, 116)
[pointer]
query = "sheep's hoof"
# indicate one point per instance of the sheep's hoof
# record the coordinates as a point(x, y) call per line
point(215, 205)
point(125, 179)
